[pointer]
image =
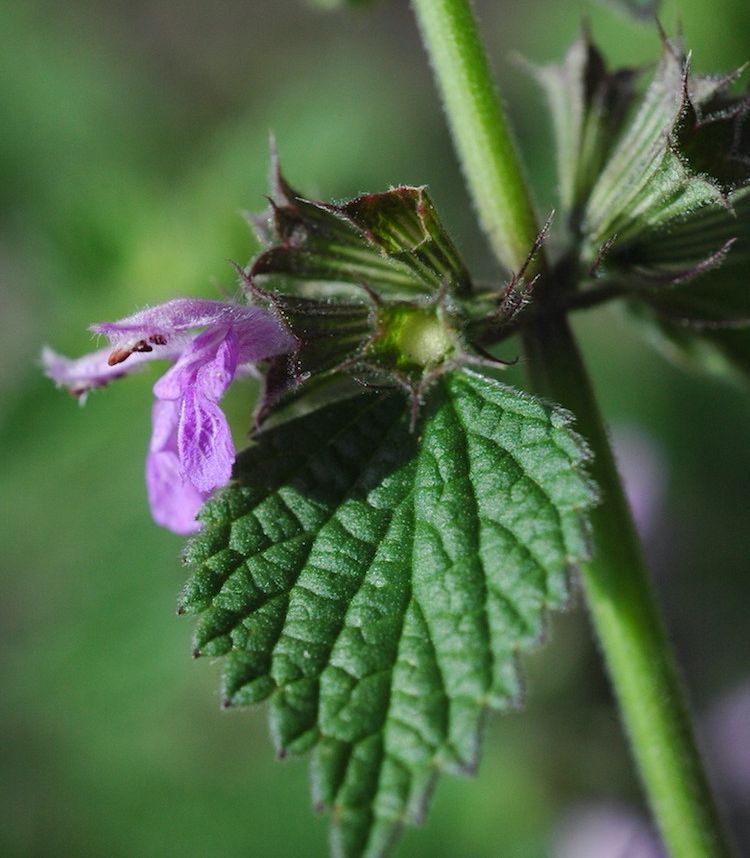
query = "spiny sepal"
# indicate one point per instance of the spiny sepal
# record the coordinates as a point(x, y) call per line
point(703, 321)
point(373, 288)
point(588, 104)
point(681, 153)
point(393, 242)
point(403, 223)
point(681, 234)
point(380, 344)
point(698, 270)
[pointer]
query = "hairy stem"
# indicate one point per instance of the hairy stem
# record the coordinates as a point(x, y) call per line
point(627, 621)
point(481, 132)
point(616, 583)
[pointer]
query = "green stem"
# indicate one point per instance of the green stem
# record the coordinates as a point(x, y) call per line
point(616, 583)
point(480, 130)
point(626, 618)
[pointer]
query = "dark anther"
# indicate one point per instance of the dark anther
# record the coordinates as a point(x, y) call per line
point(118, 356)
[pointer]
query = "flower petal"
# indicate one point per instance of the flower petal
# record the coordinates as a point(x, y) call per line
point(174, 501)
point(204, 442)
point(214, 377)
point(191, 450)
point(165, 416)
point(80, 375)
point(260, 336)
point(265, 336)
point(177, 379)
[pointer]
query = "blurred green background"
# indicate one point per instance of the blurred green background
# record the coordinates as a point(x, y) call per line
point(132, 135)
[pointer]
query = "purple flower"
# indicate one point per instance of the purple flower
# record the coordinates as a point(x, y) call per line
point(729, 740)
point(191, 451)
point(606, 831)
point(642, 467)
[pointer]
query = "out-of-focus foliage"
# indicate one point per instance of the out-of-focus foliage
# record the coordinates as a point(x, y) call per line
point(132, 137)
point(340, 4)
point(644, 10)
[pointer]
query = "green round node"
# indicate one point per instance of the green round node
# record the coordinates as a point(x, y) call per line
point(413, 337)
point(424, 338)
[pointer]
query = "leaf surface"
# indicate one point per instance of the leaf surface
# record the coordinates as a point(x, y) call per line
point(376, 585)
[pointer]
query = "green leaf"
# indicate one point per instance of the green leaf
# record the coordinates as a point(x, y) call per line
point(377, 585)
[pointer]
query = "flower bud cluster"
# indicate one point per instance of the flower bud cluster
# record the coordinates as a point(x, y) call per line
point(654, 186)
point(372, 289)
